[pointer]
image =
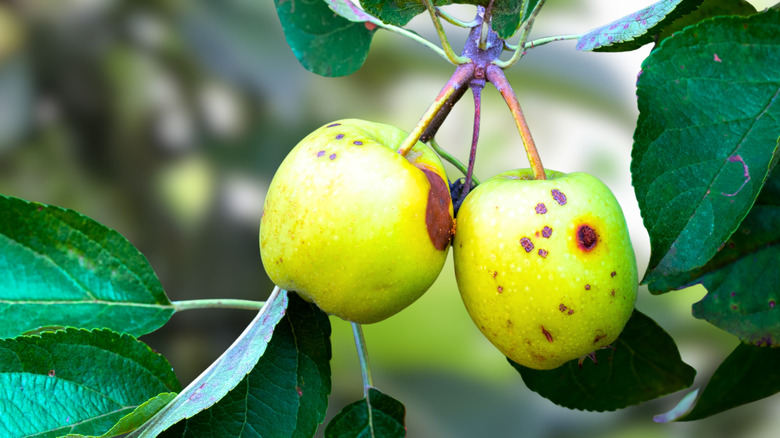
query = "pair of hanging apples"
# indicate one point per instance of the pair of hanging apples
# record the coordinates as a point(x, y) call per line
point(545, 267)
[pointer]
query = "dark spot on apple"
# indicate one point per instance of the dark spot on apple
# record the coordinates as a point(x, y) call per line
point(339, 137)
point(547, 334)
point(527, 244)
point(437, 212)
point(500, 289)
point(599, 336)
point(332, 156)
point(543, 253)
point(333, 124)
point(546, 232)
point(586, 238)
point(509, 323)
point(570, 311)
point(541, 208)
point(358, 143)
point(613, 292)
point(613, 273)
point(587, 287)
point(320, 153)
point(563, 308)
point(495, 274)
point(559, 197)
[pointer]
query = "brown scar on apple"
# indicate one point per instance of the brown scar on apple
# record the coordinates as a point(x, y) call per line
point(613, 274)
point(500, 289)
point(546, 232)
point(547, 334)
point(587, 287)
point(599, 336)
point(541, 208)
point(320, 153)
point(543, 253)
point(559, 196)
point(565, 309)
point(586, 238)
point(527, 245)
point(333, 124)
point(437, 212)
point(339, 137)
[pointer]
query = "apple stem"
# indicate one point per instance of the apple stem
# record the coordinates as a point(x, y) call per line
point(448, 96)
point(362, 351)
point(450, 159)
point(476, 85)
point(496, 76)
point(445, 44)
point(217, 304)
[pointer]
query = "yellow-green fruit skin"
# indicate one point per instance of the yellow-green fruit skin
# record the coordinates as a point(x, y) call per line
point(353, 226)
point(537, 283)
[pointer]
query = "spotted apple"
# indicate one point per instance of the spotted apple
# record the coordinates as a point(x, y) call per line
point(545, 268)
point(353, 226)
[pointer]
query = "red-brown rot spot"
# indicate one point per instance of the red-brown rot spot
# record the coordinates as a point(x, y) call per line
point(495, 274)
point(500, 289)
point(369, 25)
point(558, 196)
point(357, 143)
point(332, 156)
point(543, 253)
point(546, 232)
point(716, 59)
point(587, 287)
point(541, 208)
point(437, 212)
point(613, 274)
point(527, 245)
point(547, 334)
point(563, 308)
point(320, 153)
point(586, 238)
point(333, 124)
point(339, 137)
point(612, 292)
point(771, 304)
point(599, 336)
point(51, 373)
point(570, 311)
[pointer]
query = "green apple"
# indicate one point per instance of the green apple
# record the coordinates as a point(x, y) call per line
point(353, 226)
point(545, 267)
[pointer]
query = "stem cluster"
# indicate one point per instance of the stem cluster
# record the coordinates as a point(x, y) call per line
point(478, 64)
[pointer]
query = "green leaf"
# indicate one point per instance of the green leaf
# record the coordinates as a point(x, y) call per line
point(379, 415)
point(225, 373)
point(749, 373)
point(645, 364)
point(76, 381)
point(637, 29)
point(397, 12)
point(286, 394)
point(324, 42)
point(706, 138)
point(743, 296)
point(708, 9)
point(133, 420)
point(508, 15)
point(349, 10)
point(60, 268)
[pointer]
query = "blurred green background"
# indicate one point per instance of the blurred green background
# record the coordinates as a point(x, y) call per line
point(165, 120)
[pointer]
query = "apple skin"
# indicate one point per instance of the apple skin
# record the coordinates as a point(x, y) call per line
point(545, 268)
point(353, 226)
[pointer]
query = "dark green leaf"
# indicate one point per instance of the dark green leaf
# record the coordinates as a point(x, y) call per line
point(225, 373)
point(743, 296)
point(76, 381)
point(323, 41)
point(60, 268)
point(708, 9)
point(507, 16)
point(637, 29)
point(645, 364)
point(706, 138)
point(133, 420)
point(749, 373)
point(377, 416)
point(286, 394)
